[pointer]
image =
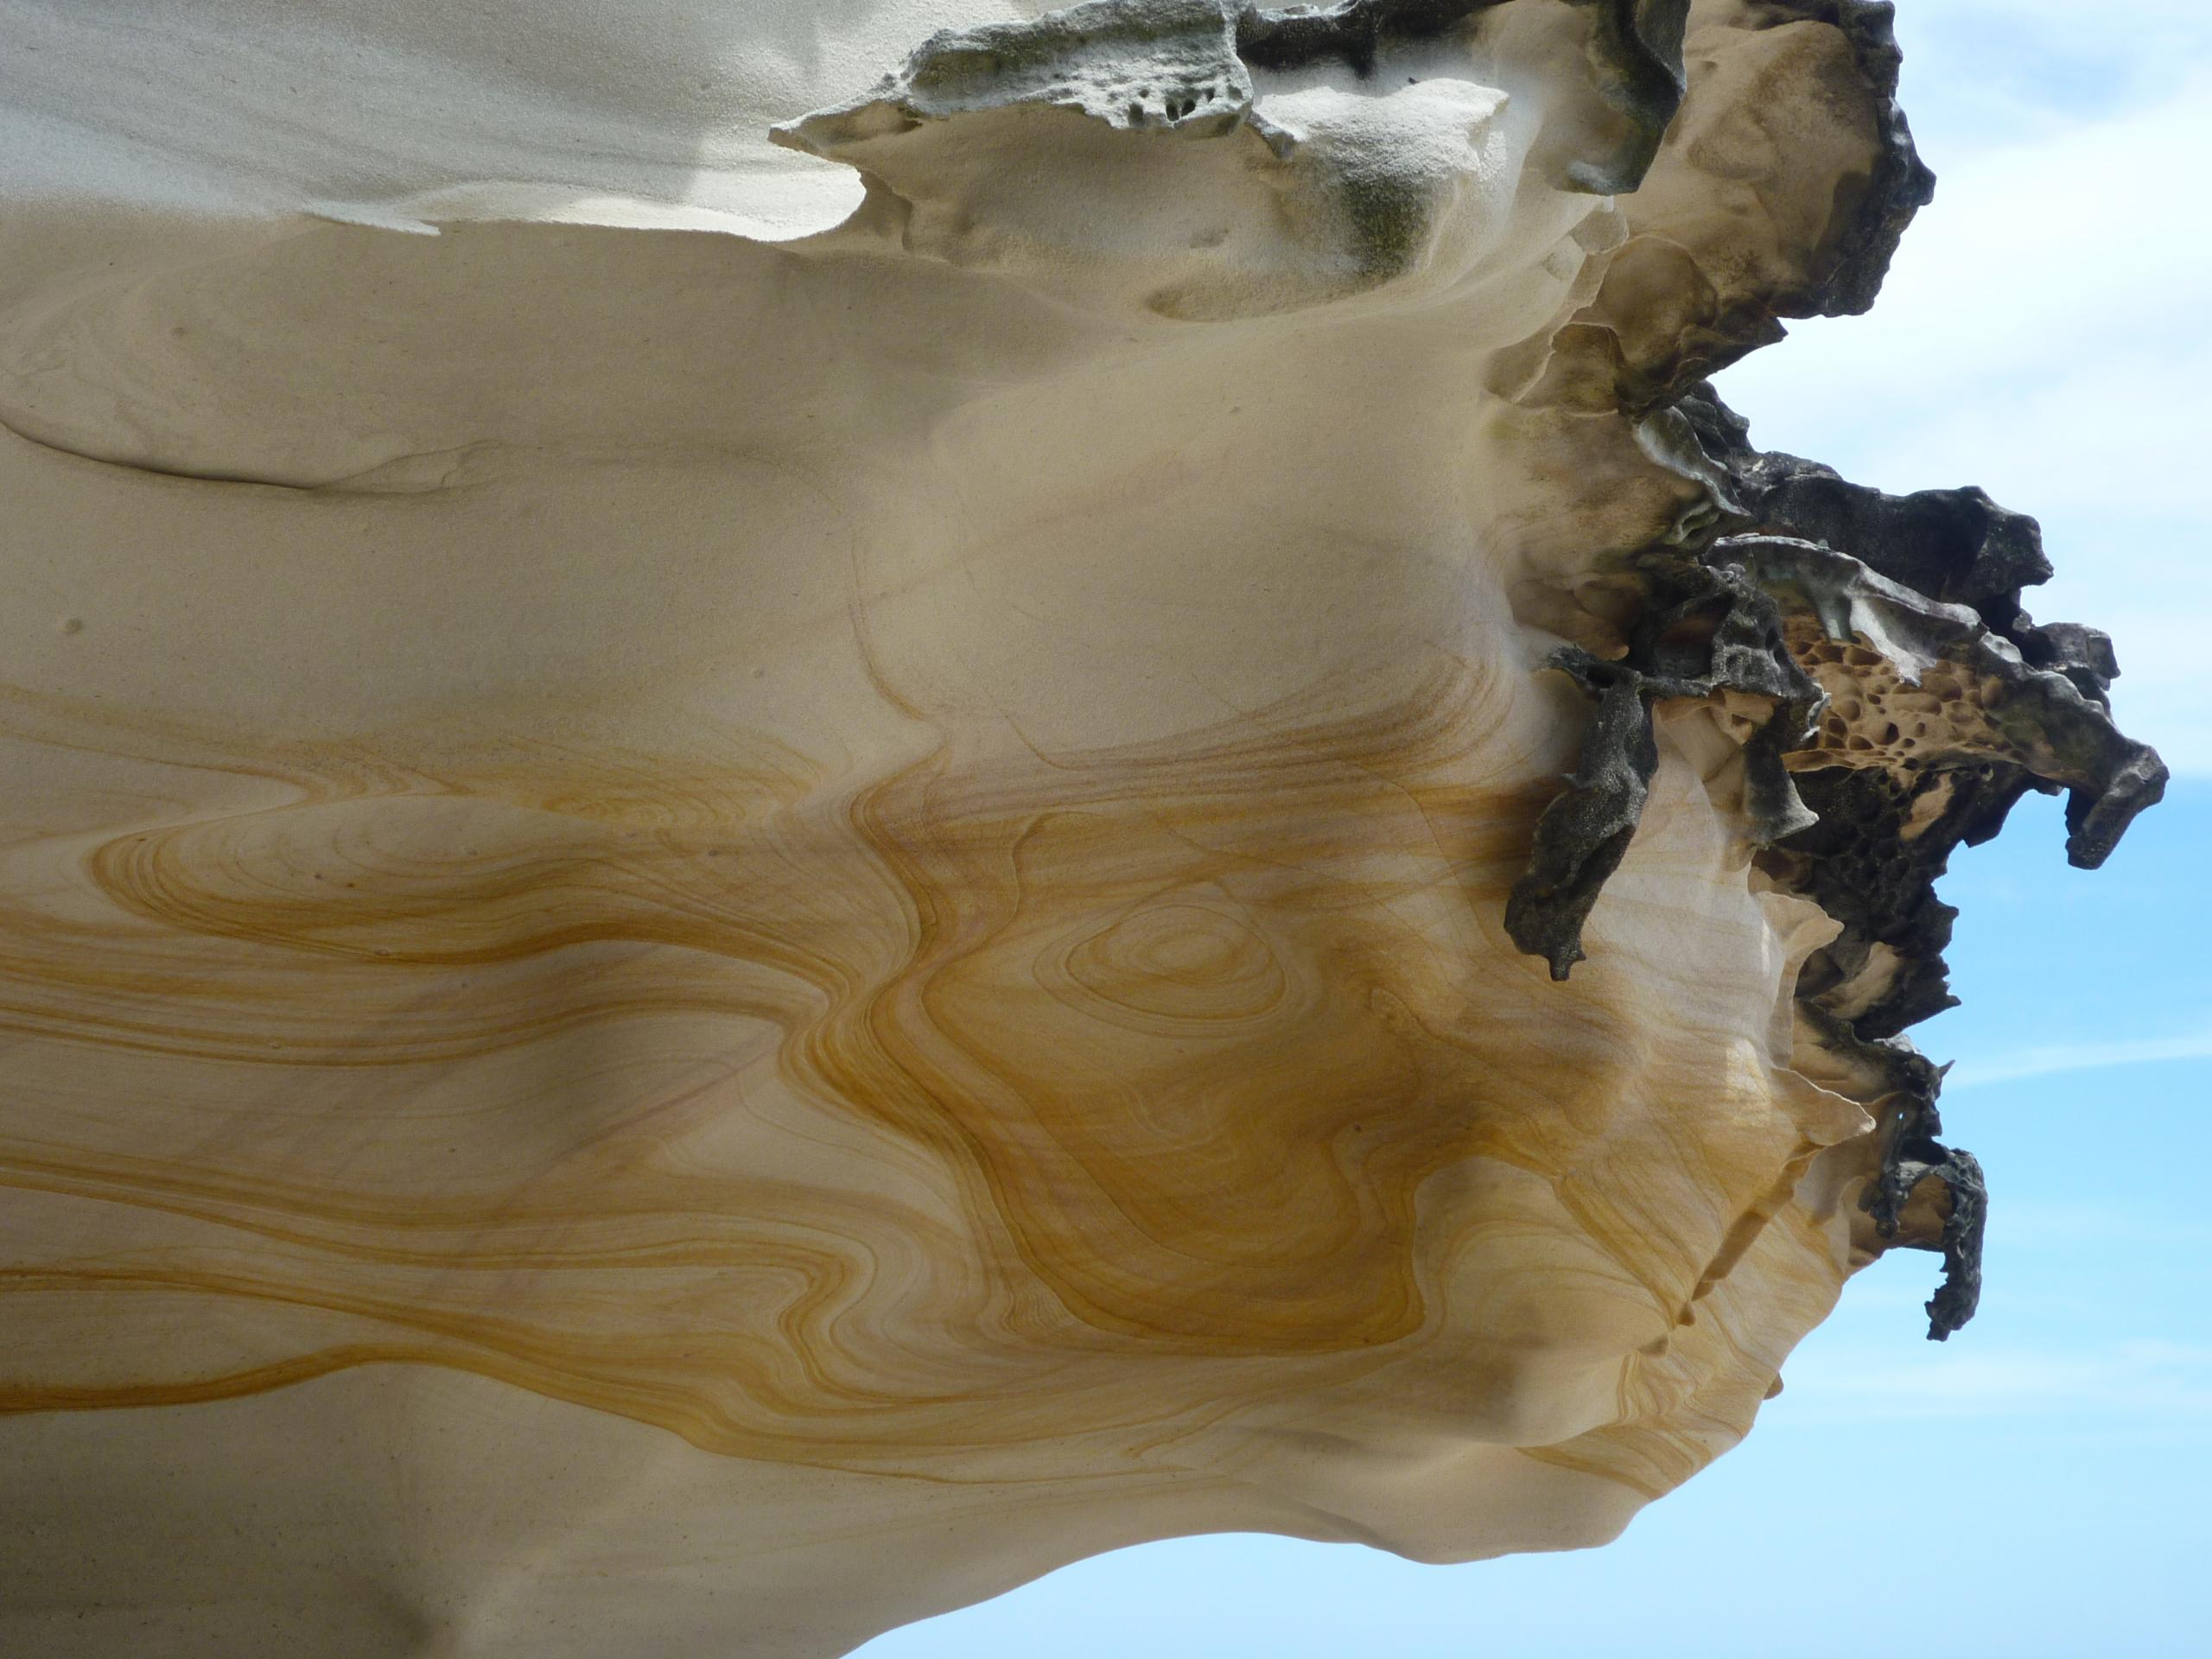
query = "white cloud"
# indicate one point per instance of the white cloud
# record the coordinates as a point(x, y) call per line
point(2016, 1064)
point(1983, 69)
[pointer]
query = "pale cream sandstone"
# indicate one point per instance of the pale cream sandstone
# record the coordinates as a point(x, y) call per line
point(751, 891)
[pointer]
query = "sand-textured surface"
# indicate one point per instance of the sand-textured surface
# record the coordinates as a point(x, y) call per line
point(807, 805)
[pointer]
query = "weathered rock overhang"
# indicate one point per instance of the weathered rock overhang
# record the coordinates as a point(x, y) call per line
point(1902, 698)
point(1910, 701)
point(1893, 698)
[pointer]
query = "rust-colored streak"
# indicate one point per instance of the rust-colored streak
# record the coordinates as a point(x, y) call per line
point(768, 1101)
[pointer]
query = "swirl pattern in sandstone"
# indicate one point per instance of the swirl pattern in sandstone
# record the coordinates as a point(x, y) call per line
point(776, 850)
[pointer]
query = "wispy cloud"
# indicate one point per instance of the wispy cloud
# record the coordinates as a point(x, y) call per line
point(2138, 1381)
point(2054, 1058)
point(2111, 1230)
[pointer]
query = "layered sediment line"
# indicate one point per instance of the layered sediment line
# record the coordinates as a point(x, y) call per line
point(783, 844)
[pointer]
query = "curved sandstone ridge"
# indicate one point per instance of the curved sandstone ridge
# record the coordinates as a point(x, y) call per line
point(876, 837)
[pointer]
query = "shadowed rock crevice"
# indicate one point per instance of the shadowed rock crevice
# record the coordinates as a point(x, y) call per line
point(1186, 67)
point(1636, 48)
point(1709, 632)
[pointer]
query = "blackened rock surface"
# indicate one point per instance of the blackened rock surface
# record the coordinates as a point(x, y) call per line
point(1186, 65)
point(1584, 834)
point(1955, 546)
point(1709, 630)
point(1902, 183)
point(1913, 585)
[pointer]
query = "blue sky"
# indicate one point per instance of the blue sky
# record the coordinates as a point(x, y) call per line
point(2035, 1487)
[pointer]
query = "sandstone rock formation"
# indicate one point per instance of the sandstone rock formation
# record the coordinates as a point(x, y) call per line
point(782, 843)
